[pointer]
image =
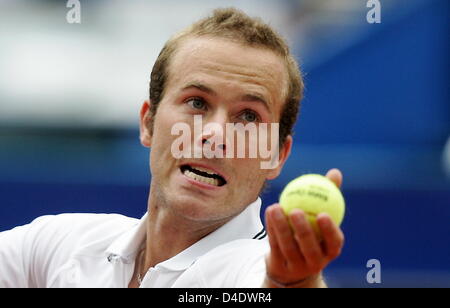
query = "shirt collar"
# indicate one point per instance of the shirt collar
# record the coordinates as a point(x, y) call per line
point(247, 225)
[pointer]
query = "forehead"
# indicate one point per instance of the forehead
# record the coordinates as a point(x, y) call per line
point(222, 60)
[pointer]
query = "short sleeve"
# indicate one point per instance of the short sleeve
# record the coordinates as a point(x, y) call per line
point(17, 254)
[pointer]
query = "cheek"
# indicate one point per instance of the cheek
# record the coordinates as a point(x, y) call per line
point(165, 119)
point(161, 140)
point(250, 183)
point(250, 173)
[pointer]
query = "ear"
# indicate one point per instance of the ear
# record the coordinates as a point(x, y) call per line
point(144, 125)
point(285, 152)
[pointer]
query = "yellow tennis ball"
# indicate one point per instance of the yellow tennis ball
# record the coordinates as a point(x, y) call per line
point(314, 194)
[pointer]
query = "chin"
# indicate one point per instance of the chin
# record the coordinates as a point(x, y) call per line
point(195, 209)
point(189, 206)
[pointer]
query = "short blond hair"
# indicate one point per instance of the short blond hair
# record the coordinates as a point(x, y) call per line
point(235, 25)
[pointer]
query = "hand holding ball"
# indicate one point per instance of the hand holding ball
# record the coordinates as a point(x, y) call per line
point(314, 194)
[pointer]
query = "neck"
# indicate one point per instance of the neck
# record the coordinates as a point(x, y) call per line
point(168, 234)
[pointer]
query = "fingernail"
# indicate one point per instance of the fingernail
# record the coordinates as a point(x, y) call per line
point(324, 220)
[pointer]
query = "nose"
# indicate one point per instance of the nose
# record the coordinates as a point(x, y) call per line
point(221, 146)
point(213, 133)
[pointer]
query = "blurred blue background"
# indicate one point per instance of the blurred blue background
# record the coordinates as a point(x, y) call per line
point(377, 107)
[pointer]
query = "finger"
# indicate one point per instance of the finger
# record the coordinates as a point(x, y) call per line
point(275, 251)
point(307, 241)
point(335, 175)
point(332, 235)
point(285, 236)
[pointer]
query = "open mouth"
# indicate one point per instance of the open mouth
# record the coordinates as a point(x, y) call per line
point(203, 175)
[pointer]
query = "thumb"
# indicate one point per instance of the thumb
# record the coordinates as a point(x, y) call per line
point(335, 175)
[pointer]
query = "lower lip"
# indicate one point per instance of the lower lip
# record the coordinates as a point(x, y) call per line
point(201, 184)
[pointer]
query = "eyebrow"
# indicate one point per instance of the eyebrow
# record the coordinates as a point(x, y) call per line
point(246, 97)
point(201, 87)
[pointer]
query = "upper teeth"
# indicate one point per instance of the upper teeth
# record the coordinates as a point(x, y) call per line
point(204, 170)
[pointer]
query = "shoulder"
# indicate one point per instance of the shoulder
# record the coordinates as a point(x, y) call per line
point(53, 227)
point(88, 223)
point(80, 226)
point(72, 234)
point(49, 241)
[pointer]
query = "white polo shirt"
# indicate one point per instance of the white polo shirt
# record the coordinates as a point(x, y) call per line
point(99, 250)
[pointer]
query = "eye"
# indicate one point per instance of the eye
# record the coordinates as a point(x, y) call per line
point(249, 116)
point(197, 103)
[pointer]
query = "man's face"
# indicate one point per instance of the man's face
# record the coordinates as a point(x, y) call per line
point(223, 82)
